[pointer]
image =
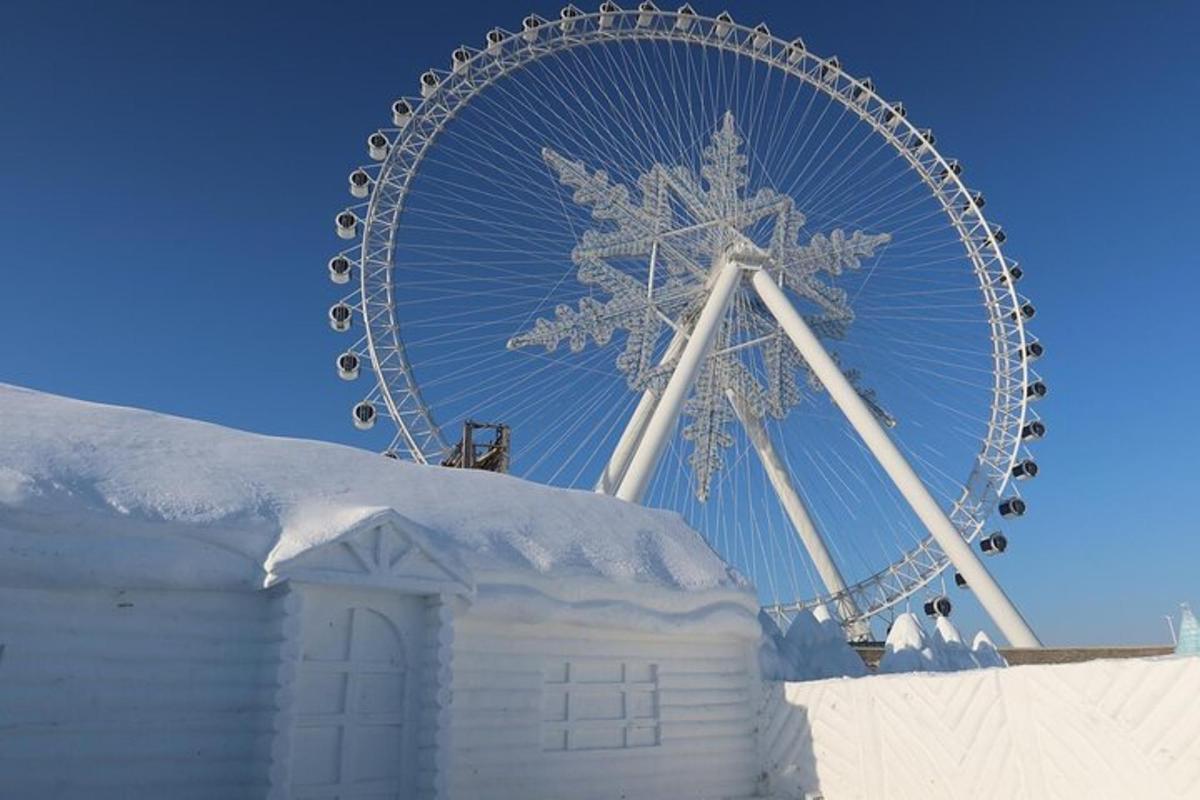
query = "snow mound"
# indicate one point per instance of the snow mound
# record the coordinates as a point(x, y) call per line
point(833, 651)
point(949, 649)
point(906, 648)
point(910, 649)
point(986, 654)
point(770, 660)
point(813, 648)
point(105, 495)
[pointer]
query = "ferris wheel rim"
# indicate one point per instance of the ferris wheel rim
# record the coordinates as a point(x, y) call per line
point(506, 52)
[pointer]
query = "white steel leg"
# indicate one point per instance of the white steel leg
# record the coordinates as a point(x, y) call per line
point(927, 509)
point(614, 470)
point(658, 430)
point(797, 512)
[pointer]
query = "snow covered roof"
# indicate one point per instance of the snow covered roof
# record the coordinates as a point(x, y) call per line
point(102, 495)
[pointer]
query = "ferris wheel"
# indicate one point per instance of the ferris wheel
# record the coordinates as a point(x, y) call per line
point(694, 265)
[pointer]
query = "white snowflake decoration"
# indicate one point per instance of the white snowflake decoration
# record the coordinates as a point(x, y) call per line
point(675, 231)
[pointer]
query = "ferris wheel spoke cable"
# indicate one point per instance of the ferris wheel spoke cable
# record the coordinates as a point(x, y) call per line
point(620, 405)
point(849, 175)
point(566, 434)
point(513, 386)
point(494, 208)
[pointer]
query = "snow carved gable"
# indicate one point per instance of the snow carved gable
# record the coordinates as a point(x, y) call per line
point(384, 550)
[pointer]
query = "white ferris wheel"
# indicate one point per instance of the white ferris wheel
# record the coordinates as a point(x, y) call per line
point(696, 266)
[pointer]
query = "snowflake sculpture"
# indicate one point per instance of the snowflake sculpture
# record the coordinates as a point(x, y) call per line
point(654, 258)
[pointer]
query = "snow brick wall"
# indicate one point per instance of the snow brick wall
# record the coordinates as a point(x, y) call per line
point(564, 711)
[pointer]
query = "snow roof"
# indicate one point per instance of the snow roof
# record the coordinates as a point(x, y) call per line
point(102, 495)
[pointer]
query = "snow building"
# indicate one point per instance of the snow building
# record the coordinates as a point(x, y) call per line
point(191, 611)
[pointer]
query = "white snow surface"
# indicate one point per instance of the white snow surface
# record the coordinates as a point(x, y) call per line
point(103, 495)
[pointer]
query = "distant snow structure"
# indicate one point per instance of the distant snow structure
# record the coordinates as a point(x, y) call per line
point(906, 648)
point(910, 649)
point(195, 612)
point(948, 646)
point(833, 653)
point(771, 661)
point(986, 654)
point(813, 648)
point(1189, 632)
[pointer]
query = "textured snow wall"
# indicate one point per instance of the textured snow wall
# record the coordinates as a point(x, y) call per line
point(108, 694)
point(563, 711)
point(1102, 729)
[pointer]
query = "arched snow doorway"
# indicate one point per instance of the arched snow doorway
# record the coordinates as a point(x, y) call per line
point(355, 723)
point(365, 625)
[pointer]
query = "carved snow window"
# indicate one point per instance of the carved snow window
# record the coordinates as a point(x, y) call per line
point(599, 705)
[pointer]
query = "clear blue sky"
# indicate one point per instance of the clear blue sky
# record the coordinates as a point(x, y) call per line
point(169, 173)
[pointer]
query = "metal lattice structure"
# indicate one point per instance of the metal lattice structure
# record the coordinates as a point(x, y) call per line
point(637, 200)
point(644, 312)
